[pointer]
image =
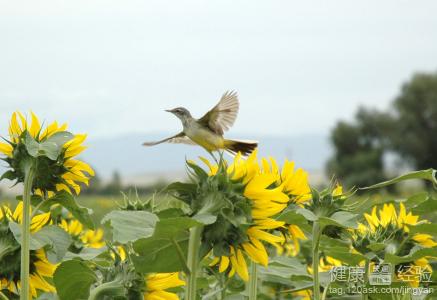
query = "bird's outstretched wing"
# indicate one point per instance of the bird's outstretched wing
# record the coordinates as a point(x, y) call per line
point(179, 138)
point(222, 116)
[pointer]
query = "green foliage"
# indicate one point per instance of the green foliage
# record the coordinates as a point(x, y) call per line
point(130, 225)
point(429, 175)
point(73, 280)
point(45, 156)
point(415, 137)
point(67, 200)
point(157, 254)
point(217, 202)
point(53, 238)
point(407, 129)
point(359, 148)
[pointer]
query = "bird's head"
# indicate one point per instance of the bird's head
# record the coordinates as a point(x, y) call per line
point(180, 112)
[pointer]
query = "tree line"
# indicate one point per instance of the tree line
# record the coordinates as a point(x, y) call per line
point(407, 130)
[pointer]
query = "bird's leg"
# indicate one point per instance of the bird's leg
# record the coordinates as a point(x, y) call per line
point(222, 160)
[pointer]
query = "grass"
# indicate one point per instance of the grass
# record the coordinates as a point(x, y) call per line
point(101, 205)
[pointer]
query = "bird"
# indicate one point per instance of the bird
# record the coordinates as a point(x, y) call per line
point(208, 131)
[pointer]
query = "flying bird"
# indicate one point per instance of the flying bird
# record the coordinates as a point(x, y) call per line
point(208, 130)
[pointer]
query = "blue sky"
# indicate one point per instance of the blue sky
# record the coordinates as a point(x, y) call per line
point(111, 67)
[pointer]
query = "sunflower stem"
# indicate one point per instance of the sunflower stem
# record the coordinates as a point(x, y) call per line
point(25, 233)
point(193, 262)
point(3, 296)
point(37, 207)
point(112, 288)
point(365, 296)
point(181, 256)
point(316, 240)
point(253, 281)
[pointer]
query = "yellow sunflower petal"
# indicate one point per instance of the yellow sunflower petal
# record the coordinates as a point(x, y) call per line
point(6, 149)
point(162, 281)
point(257, 254)
point(224, 264)
point(35, 128)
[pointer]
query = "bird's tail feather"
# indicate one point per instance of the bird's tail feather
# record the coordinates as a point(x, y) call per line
point(243, 146)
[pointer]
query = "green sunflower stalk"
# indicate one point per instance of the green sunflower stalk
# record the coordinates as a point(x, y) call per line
point(40, 268)
point(43, 160)
point(240, 200)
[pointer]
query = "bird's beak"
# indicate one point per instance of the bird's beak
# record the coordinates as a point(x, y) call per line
point(169, 110)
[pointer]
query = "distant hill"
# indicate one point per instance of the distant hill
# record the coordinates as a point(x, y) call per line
point(140, 165)
point(126, 154)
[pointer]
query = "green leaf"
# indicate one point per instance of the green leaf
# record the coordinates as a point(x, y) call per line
point(205, 219)
point(51, 150)
point(394, 259)
point(128, 226)
point(32, 146)
point(57, 239)
point(424, 228)
point(169, 228)
point(60, 138)
point(376, 247)
point(287, 271)
point(158, 255)
point(73, 280)
point(170, 213)
point(292, 217)
point(10, 175)
point(327, 243)
point(182, 187)
point(53, 238)
point(201, 173)
point(416, 200)
point(429, 174)
point(47, 296)
point(65, 199)
point(352, 259)
point(309, 215)
point(52, 147)
point(342, 219)
point(428, 206)
point(85, 253)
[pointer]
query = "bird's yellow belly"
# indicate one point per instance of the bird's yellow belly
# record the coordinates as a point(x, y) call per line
point(205, 138)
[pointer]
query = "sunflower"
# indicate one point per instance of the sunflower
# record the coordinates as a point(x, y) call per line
point(88, 238)
point(261, 192)
point(294, 236)
point(388, 224)
point(40, 267)
point(302, 295)
point(326, 263)
point(295, 184)
point(391, 227)
point(157, 284)
point(54, 171)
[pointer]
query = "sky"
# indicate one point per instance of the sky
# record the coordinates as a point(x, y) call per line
point(110, 68)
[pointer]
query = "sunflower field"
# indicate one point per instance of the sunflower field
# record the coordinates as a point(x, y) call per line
point(240, 228)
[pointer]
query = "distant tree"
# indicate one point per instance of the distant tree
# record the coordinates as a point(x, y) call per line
point(409, 129)
point(95, 185)
point(115, 186)
point(359, 148)
point(415, 137)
